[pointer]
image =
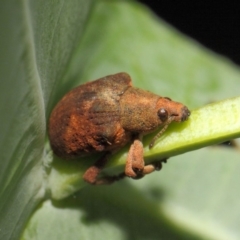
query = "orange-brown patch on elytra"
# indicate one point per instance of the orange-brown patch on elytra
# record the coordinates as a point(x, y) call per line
point(75, 141)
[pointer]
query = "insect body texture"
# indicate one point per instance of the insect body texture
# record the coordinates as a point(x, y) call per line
point(106, 114)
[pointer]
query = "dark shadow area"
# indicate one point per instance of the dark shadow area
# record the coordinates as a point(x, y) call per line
point(213, 24)
point(139, 216)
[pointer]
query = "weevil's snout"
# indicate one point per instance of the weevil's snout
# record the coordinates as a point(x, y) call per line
point(185, 114)
point(181, 114)
point(170, 111)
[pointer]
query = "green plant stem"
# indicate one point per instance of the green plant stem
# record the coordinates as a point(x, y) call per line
point(209, 125)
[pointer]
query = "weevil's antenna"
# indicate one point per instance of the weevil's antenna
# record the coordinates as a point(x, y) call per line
point(165, 126)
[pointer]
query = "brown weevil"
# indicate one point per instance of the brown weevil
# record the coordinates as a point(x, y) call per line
point(106, 114)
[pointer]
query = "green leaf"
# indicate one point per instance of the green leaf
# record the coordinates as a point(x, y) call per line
point(48, 47)
point(195, 196)
point(159, 59)
point(37, 40)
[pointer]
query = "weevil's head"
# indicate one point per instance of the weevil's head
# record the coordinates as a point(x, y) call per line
point(169, 111)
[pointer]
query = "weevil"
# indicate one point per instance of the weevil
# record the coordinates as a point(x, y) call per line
point(106, 114)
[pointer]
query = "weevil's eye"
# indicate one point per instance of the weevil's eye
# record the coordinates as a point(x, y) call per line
point(168, 98)
point(163, 114)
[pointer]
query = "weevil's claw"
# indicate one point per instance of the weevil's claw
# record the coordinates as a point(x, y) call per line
point(139, 176)
point(155, 166)
point(164, 160)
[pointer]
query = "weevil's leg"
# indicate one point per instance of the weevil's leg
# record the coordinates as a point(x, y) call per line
point(92, 173)
point(155, 166)
point(135, 161)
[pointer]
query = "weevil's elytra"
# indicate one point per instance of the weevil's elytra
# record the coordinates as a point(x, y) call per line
point(106, 114)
